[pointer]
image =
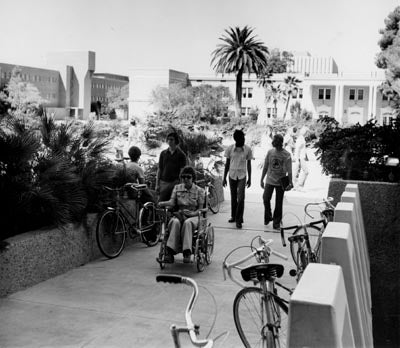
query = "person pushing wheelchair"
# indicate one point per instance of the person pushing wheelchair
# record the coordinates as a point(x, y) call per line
point(188, 199)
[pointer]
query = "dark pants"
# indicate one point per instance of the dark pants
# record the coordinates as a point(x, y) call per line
point(277, 217)
point(166, 189)
point(237, 188)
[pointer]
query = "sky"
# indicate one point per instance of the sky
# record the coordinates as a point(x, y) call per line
point(182, 34)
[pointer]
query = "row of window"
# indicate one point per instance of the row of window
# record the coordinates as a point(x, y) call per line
point(354, 94)
point(28, 77)
point(50, 96)
point(104, 86)
point(97, 98)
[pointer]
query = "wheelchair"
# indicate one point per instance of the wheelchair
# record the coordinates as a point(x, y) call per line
point(202, 242)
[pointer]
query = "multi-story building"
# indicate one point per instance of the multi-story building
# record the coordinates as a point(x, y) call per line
point(323, 90)
point(70, 86)
point(102, 83)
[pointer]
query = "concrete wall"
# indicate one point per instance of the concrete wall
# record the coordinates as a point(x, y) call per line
point(380, 204)
point(35, 256)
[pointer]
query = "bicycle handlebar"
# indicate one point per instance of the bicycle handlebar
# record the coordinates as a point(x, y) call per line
point(190, 327)
point(326, 201)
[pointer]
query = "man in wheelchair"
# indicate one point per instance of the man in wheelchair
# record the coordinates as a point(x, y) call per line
point(188, 200)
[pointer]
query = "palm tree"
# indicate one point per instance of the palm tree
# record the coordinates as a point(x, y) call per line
point(273, 92)
point(290, 86)
point(240, 53)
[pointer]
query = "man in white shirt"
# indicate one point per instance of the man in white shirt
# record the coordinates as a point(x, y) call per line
point(300, 169)
point(238, 164)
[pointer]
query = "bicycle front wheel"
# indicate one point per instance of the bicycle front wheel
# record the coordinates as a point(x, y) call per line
point(150, 228)
point(260, 322)
point(213, 200)
point(111, 233)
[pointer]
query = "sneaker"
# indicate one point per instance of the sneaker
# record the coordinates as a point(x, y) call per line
point(186, 256)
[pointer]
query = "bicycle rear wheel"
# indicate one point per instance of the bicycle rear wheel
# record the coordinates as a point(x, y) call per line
point(150, 228)
point(250, 315)
point(111, 233)
point(213, 200)
point(314, 235)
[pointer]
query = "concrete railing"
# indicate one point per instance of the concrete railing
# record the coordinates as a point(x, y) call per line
point(319, 312)
point(344, 244)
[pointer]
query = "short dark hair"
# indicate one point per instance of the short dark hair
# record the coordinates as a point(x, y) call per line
point(189, 170)
point(134, 153)
point(175, 136)
point(277, 141)
point(238, 134)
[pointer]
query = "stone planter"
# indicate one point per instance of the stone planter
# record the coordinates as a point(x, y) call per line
point(35, 256)
point(381, 212)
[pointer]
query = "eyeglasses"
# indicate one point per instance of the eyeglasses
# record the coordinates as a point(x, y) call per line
point(186, 176)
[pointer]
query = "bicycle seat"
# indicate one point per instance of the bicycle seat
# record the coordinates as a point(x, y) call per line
point(296, 238)
point(262, 271)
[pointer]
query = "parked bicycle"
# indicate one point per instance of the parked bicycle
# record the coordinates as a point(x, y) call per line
point(260, 314)
point(305, 241)
point(213, 202)
point(190, 328)
point(118, 221)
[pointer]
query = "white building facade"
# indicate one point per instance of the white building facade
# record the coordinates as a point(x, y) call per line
point(349, 98)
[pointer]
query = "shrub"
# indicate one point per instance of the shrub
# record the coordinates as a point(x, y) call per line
point(51, 175)
point(357, 152)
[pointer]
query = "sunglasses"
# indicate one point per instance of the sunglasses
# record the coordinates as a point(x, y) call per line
point(184, 176)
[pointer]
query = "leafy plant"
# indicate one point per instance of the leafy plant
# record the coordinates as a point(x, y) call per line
point(357, 152)
point(49, 176)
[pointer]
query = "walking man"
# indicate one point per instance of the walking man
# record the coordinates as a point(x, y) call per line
point(238, 164)
point(170, 164)
point(300, 167)
point(278, 163)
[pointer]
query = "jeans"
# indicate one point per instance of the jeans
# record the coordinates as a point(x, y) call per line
point(277, 217)
point(237, 187)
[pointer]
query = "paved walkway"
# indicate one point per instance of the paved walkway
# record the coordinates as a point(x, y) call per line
point(117, 303)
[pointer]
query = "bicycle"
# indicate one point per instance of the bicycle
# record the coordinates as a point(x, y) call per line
point(260, 315)
point(190, 328)
point(305, 241)
point(117, 221)
point(212, 199)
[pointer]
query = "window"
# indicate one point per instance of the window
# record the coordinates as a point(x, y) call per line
point(360, 94)
point(53, 95)
point(247, 92)
point(323, 93)
point(352, 95)
point(272, 112)
point(328, 94)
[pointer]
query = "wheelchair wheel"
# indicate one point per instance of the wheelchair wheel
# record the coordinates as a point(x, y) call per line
point(209, 243)
point(149, 228)
point(200, 253)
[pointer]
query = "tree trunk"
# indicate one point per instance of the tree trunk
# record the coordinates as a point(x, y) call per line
point(238, 101)
point(286, 108)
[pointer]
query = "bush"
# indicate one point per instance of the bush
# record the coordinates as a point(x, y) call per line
point(358, 152)
point(49, 176)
